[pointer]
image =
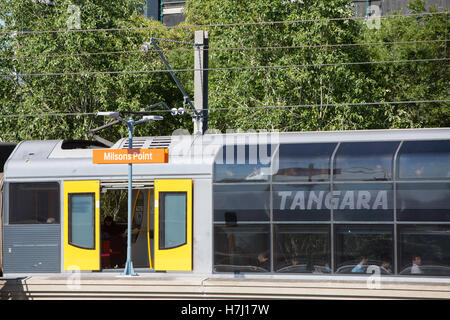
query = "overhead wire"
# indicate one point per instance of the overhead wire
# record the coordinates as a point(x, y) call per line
point(17, 32)
point(353, 104)
point(131, 72)
point(393, 43)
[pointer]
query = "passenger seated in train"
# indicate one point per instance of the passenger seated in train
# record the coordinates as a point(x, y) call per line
point(111, 232)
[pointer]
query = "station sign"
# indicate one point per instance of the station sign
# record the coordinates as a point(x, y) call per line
point(117, 156)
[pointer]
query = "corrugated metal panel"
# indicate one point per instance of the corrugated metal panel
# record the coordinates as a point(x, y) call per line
point(31, 248)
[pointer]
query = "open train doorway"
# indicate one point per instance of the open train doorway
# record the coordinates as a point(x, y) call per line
point(113, 230)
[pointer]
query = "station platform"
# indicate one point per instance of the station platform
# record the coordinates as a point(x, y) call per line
point(152, 285)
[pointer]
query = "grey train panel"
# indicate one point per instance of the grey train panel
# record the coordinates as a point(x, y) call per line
point(31, 248)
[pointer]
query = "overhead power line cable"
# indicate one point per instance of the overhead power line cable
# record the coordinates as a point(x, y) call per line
point(221, 69)
point(313, 46)
point(353, 104)
point(17, 32)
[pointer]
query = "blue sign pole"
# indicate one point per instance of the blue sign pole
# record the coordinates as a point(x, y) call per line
point(129, 271)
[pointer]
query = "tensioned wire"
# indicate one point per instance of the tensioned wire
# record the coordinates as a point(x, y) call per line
point(379, 103)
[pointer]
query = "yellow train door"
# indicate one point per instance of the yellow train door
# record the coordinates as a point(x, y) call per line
point(173, 225)
point(81, 225)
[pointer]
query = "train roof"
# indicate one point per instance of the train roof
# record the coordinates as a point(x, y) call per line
point(189, 155)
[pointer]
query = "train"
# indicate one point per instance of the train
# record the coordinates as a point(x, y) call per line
point(266, 203)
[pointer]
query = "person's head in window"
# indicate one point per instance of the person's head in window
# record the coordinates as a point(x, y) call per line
point(417, 260)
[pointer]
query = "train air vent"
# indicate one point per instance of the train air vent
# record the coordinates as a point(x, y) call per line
point(137, 143)
point(160, 142)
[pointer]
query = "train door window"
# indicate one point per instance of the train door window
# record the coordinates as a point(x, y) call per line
point(425, 246)
point(241, 247)
point(364, 161)
point(423, 201)
point(172, 219)
point(302, 249)
point(34, 203)
point(304, 162)
point(424, 160)
point(359, 246)
point(82, 220)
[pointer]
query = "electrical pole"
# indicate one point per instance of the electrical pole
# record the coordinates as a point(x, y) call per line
point(201, 81)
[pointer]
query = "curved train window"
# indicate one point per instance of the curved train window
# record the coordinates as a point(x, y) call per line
point(304, 162)
point(424, 160)
point(243, 163)
point(366, 161)
point(34, 203)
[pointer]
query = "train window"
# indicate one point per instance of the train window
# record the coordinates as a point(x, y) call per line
point(363, 202)
point(307, 202)
point(302, 249)
point(82, 220)
point(424, 160)
point(241, 202)
point(364, 161)
point(241, 248)
point(359, 246)
point(426, 247)
point(172, 219)
point(243, 163)
point(304, 162)
point(34, 203)
point(423, 201)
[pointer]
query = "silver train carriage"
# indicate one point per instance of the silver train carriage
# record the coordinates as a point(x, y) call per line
point(268, 203)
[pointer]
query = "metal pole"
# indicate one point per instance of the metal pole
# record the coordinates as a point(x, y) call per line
point(201, 81)
point(129, 264)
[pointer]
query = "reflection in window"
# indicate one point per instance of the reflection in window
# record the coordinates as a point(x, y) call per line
point(364, 161)
point(32, 203)
point(424, 250)
point(363, 202)
point(359, 246)
point(424, 160)
point(172, 219)
point(241, 248)
point(302, 249)
point(304, 162)
point(423, 201)
point(249, 202)
point(82, 220)
point(243, 163)
point(307, 202)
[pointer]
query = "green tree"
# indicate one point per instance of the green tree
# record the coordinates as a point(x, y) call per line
point(321, 85)
point(59, 52)
point(418, 37)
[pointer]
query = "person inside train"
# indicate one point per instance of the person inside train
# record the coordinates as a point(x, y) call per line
point(360, 267)
point(416, 263)
point(112, 232)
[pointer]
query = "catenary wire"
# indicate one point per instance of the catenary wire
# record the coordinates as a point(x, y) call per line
point(221, 69)
point(244, 108)
point(229, 49)
point(16, 32)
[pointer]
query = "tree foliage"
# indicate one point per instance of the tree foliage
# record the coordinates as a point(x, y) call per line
point(327, 70)
point(63, 52)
